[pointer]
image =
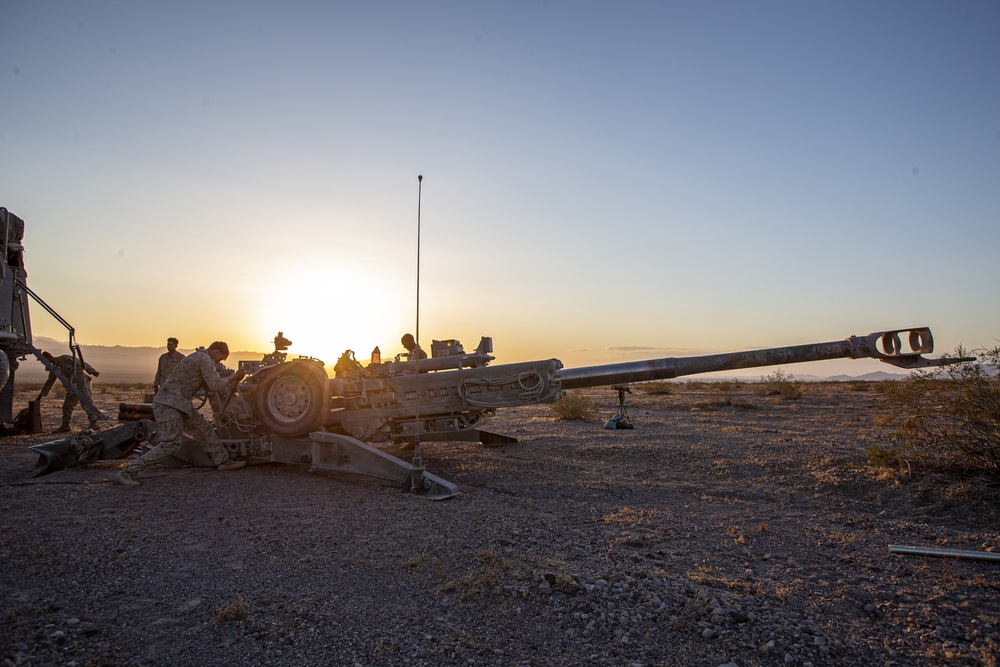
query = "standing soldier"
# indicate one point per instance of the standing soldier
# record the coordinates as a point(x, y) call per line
point(78, 372)
point(168, 361)
point(174, 414)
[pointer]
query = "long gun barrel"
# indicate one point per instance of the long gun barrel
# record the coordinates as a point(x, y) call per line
point(883, 345)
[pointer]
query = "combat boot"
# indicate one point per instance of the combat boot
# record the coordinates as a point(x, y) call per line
point(63, 428)
point(125, 478)
point(231, 465)
point(94, 425)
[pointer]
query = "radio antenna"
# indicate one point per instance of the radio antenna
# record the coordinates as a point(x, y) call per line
point(417, 475)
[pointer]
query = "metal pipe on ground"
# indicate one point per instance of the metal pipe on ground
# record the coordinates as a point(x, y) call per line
point(944, 553)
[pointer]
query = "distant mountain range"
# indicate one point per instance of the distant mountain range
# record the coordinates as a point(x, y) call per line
point(116, 364)
point(138, 364)
point(868, 377)
point(805, 377)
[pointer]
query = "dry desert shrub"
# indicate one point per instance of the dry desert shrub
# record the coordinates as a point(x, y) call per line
point(722, 395)
point(780, 384)
point(656, 388)
point(237, 609)
point(880, 456)
point(574, 406)
point(790, 391)
point(947, 419)
point(724, 390)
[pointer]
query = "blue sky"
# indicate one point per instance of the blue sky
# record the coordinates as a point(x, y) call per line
point(601, 180)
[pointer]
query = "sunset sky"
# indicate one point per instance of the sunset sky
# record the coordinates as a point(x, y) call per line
point(602, 181)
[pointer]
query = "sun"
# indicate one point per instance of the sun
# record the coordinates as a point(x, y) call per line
point(327, 309)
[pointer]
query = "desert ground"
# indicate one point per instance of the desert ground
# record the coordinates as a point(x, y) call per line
point(727, 528)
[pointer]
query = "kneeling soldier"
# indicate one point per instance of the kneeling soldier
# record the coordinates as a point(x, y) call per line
point(175, 415)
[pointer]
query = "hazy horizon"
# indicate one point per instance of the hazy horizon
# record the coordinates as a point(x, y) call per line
point(122, 363)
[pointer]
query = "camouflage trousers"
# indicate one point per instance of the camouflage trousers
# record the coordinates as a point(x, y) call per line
point(72, 401)
point(171, 425)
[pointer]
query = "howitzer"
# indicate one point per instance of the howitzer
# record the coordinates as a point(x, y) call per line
point(449, 395)
point(293, 412)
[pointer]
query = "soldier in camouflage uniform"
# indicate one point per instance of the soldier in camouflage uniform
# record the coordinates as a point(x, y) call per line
point(413, 350)
point(174, 414)
point(78, 372)
point(168, 361)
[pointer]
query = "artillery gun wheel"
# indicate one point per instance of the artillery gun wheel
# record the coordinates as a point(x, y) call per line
point(293, 399)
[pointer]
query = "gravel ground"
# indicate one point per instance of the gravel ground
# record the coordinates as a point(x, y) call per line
point(748, 534)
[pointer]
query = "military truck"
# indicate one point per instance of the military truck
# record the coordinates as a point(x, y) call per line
point(15, 320)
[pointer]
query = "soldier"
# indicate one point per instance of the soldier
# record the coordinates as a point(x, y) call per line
point(174, 414)
point(78, 372)
point(215, 399)
point(412, 348)
point(168, 361)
